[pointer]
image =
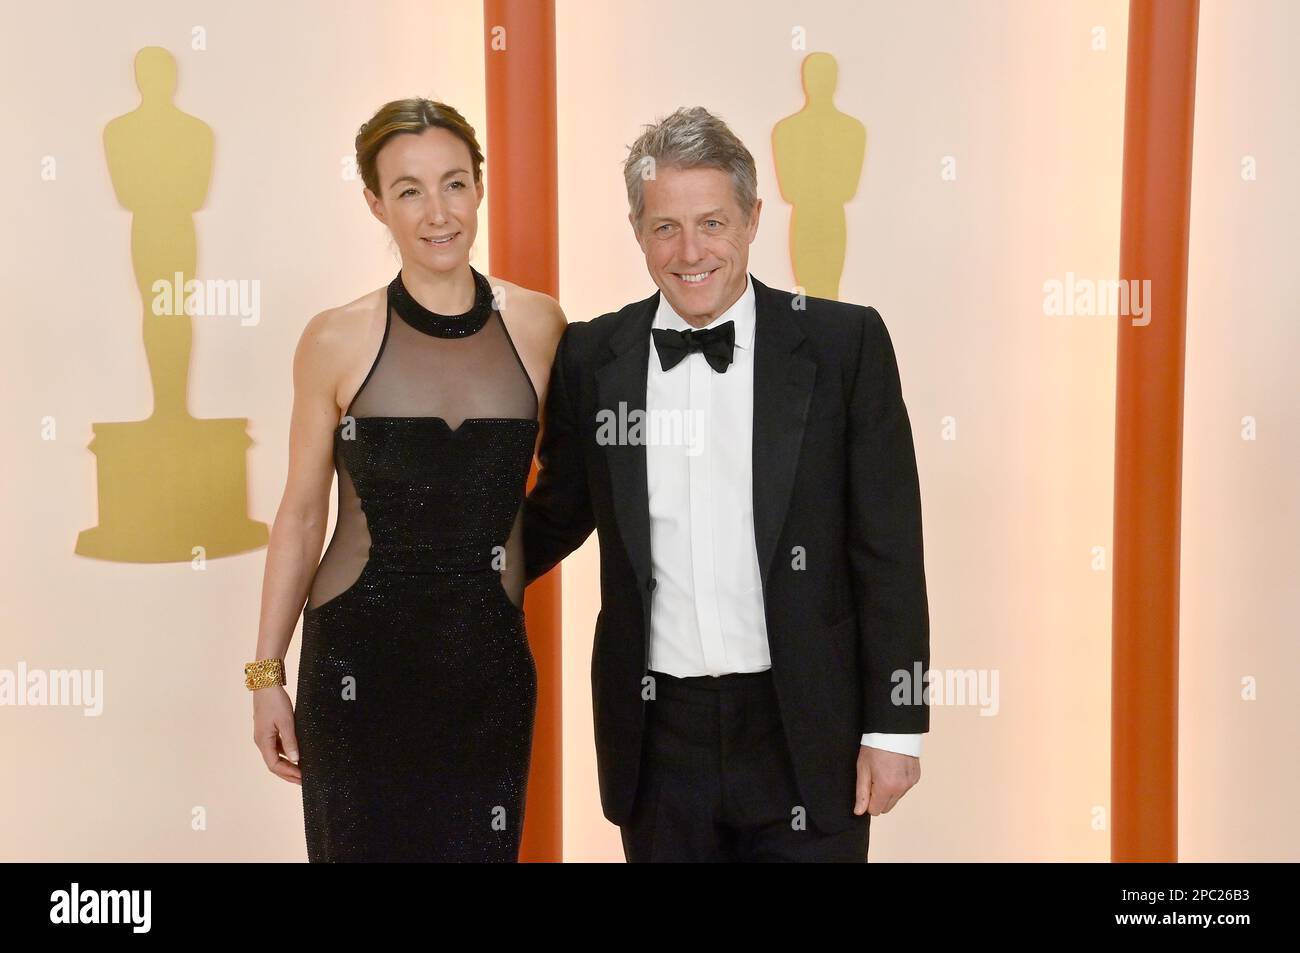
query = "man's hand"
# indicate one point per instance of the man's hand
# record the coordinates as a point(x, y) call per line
point(883, 778)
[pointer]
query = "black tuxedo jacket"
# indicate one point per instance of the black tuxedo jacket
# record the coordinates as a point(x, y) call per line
point(837, 525)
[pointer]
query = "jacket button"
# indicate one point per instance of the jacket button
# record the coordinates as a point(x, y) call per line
point(650, 584)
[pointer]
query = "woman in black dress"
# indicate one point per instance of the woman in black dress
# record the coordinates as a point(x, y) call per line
point(416, 686)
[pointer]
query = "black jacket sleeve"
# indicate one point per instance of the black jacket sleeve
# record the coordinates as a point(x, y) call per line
point(557, 513)
point(885, 541)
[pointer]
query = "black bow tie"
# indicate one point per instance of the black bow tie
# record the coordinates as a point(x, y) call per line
point(716, 344)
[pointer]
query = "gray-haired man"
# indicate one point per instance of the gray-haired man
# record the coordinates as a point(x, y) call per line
point(761, 569)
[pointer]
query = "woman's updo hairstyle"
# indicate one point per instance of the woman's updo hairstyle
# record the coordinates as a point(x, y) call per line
point(415, 116)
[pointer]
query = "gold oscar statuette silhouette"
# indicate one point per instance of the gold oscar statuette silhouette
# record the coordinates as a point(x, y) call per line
point(818, 153)
point(171, 482)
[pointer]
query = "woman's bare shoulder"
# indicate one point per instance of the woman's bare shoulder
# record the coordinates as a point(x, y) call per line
point(335, 341)
point(534, 314)
point(338, 332)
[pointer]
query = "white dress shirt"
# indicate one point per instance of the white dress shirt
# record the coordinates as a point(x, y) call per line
point(707, 616)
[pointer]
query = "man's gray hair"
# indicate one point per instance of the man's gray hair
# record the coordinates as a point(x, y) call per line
point(688, 139)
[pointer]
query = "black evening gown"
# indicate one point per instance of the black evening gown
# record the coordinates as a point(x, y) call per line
point(417, 689)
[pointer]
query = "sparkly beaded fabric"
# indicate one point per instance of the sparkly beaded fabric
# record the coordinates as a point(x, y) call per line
point(417, 689)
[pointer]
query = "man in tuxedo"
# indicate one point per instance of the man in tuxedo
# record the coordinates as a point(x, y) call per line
point(747, 460)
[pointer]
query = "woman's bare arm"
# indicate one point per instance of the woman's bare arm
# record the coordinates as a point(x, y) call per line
point(298, 532)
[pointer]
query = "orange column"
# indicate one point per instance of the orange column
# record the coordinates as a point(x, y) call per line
point(1159, 100)
point(523, 247)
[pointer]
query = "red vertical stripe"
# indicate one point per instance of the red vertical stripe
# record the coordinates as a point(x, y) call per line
point(519, 45)
point(1159, 100)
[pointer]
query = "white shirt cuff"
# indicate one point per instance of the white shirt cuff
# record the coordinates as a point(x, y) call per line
point(901, 744)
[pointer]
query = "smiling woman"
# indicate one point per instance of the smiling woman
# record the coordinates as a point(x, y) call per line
point(428, 189)
point(417, 687)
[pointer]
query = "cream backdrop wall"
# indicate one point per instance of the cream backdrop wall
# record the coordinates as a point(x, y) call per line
point(1031, 114)
point(1239, 774)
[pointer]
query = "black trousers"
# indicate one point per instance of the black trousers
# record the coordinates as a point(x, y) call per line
point(717, 783)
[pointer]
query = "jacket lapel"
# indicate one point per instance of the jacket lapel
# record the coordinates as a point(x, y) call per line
point(621, 390)
point(783, 385)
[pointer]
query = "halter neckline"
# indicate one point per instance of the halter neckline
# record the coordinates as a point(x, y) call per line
point(443, 325)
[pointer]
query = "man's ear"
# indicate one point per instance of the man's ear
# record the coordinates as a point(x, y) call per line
point(753, 219)
point(636, 232)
